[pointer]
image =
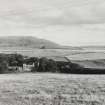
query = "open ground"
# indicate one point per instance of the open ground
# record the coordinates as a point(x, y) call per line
point(51, 89)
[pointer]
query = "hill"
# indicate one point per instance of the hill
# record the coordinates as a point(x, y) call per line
point(26, 41)
point(17, 42)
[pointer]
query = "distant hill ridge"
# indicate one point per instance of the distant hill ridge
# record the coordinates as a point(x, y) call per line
point(34, 42)
point(26, 41)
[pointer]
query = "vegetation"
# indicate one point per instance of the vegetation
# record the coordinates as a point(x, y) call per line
point(3, 64)
point(26, 41)
point(52, 89)
point(6, 60)
point(15, 59)
point(43, 64)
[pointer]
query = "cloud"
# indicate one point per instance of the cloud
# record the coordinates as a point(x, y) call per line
point(71, 22)
point(56, 12)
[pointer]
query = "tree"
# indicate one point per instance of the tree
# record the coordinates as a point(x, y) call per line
point(43, 64)
point(52, 66)
point(35, 61)
point(43, 47)
point(3, 64)
point(15, 60)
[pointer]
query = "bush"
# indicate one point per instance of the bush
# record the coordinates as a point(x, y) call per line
point(15, 60)
point(52, 66)
point(3, 64)
point(76, 68)
point(43, 64)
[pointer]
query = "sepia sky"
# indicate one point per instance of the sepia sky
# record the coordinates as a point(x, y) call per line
point(67, 22)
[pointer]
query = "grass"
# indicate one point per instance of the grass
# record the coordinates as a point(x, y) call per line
point(72, 54)
point(39, 52)
point(52, 89)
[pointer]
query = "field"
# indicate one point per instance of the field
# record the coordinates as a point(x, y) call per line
point(76, 54)
point(55, 89)
point(94, 58)
point(52, 89)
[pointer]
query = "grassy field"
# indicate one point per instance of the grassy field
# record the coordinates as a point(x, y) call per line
point(39, 52)
point(52, 89)
point(73, 54)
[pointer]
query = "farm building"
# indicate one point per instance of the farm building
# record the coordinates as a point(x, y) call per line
point(27, 67)
point(30, 63)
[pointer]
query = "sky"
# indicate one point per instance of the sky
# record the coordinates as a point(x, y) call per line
point(66, 22)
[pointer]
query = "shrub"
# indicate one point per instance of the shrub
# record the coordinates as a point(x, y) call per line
point(3, 64)
point(52, 66)
point(15, 60)
point(43, 64)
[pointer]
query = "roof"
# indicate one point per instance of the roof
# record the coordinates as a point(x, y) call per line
point(58, 58)
point(91, 64)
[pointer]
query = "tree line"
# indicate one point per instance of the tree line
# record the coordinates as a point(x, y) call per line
point(11, 63)
point(40, 64)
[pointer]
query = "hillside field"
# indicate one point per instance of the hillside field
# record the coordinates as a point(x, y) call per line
point(52, 89)
point(74, 54)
